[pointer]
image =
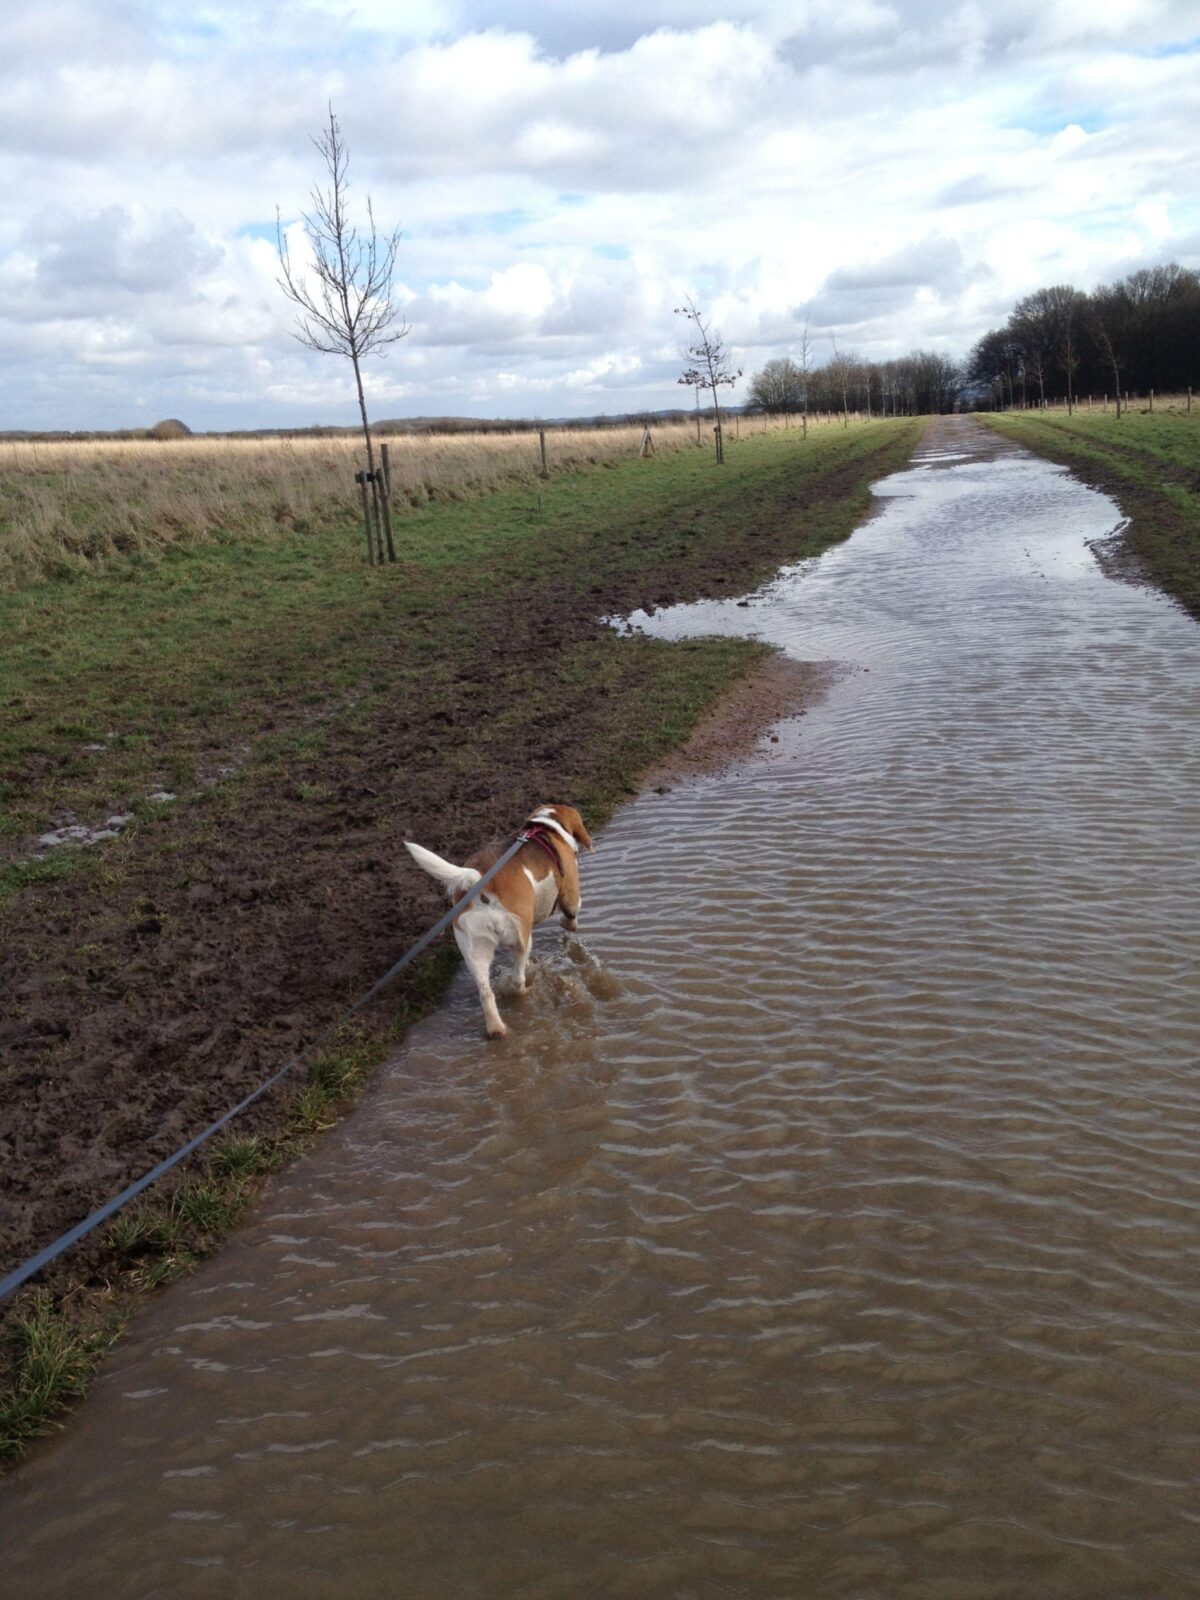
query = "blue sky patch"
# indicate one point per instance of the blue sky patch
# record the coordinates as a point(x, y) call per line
point(1047, 123)
point(1162, 52)
point(504, 221)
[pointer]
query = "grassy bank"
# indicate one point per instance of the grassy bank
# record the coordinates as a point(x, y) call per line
point(1150, 463)
point(306, 713)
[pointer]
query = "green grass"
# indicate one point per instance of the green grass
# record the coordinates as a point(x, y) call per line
point(238, 1157)
point(52, 1359)
point(1149, 462)
point(32, 873)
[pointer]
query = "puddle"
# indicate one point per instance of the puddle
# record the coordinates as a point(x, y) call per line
point(78, 833)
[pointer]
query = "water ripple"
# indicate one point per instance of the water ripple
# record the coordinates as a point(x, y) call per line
point(827, 1225)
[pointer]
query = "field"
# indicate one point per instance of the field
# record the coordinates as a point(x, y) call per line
point(1149, 462)
point(69, 507)
point(304, 713)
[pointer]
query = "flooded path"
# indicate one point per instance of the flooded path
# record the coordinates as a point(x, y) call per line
point(826, 1226)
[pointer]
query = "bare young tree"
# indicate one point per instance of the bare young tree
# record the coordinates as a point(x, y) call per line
point(1104, 340)
point(711, 367)
point(1069, 358)
point(805, 365)
point(838, 370)
point(345, 292)
point(1035, 365)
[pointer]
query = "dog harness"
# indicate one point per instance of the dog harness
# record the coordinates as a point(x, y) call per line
point(535, 833)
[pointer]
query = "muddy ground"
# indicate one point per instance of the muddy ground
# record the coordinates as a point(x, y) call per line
point(733, 731)
point(138, 1010)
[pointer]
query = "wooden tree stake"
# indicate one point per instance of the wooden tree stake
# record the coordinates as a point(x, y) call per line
point(360, 479)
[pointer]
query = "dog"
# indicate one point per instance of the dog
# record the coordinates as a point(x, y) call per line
point(541, 878)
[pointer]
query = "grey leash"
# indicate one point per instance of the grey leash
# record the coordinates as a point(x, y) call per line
point(23, 1273)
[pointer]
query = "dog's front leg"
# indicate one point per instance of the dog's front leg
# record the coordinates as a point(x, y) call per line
point(569, 897)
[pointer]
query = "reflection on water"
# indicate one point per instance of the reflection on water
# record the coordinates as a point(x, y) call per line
point(827, 1225)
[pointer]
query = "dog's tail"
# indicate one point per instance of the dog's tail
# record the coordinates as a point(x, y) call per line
point(457, 879)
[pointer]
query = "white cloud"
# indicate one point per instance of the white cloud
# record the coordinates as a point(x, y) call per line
point(898, 172)
point(121, 250)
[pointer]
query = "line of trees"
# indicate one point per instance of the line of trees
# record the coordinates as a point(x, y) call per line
point(1139, 334)
point(919, 383)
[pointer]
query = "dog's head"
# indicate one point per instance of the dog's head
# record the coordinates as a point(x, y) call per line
point(567, 821)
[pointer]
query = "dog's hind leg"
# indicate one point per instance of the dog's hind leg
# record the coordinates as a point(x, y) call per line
point(522, 961)
point(478, 953)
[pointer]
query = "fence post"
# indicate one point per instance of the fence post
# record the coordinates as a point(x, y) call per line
point(542, 443)
point(1189, 399)
point(1152, 402)
point(375, 479)
point(383, 492)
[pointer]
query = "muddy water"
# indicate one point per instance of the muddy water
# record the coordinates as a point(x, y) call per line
point(827, 1226)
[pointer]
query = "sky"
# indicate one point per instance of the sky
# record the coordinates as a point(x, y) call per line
point(895, 175)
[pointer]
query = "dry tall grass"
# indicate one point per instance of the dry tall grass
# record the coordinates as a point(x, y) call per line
point(74, 505)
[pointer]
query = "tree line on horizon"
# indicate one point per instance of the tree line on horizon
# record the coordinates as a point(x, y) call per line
point(1138, 335)
point(917, 384)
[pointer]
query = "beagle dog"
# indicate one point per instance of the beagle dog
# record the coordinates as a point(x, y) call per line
point(541, 878)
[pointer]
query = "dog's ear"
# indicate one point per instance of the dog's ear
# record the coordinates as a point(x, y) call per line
point(573, 823)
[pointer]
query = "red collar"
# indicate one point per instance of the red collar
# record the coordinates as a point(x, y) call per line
point(537, 833)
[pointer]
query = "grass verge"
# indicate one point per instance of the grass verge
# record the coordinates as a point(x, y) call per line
point(1149, 462)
